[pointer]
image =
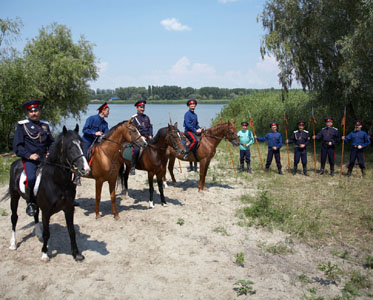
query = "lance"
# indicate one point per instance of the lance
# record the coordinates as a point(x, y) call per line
point(256, 140)
point(181, 171)
point(343, 141)
point(230, 152)
point(287, 144)
point(314, 140)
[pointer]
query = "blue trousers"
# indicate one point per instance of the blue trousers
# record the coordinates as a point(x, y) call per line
point(192, 137)
point(245, 156)
point(30, 167)
point(356, 154)
point(300, 154)
point(327, 151)
point(276, 154)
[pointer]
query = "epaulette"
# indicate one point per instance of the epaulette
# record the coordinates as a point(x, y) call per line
point(306, 131)
point(45, 122)
point(295, 131)
point(23, 122)
point(134, 116)
point(325, 127)
point(335, 128)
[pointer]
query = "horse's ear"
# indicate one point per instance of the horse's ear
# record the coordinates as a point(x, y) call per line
point(64, 130)
point(130, 121)
point(76, 128)
point(175, 125)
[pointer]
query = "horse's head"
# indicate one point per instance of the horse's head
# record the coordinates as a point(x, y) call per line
point(174, 139)
point(231, 133)
point(72, 154)
point(135, 136)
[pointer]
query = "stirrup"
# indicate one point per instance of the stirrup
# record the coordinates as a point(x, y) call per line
point(31, 209)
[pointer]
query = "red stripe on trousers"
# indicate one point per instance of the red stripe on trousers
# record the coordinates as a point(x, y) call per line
point(194, 140)
point(24, 168)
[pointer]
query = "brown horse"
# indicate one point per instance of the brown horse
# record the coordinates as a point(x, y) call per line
point(107, 159)
point(210, 139)
point(154, 160)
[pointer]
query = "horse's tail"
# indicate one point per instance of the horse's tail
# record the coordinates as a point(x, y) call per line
point(6, 196)
point(120, 178)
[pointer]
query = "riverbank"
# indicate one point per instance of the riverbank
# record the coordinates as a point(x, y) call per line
point(182, 101)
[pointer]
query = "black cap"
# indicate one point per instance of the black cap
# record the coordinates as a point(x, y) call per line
point(191, 101)
point(103, 106)
point(140, 102)
point(32, 105)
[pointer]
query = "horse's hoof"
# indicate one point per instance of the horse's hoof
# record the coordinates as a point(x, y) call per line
point(151, 204)
point(44, 257)
point(117, 217)
point(98, 216)
point(79, 257)
point(13, 247)
point(164, 204)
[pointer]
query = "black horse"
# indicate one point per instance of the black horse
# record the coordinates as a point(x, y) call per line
point(56, 190)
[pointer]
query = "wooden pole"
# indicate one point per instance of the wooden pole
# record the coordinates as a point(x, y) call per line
point(343, 141)
point(287, 144)
point(314, 140)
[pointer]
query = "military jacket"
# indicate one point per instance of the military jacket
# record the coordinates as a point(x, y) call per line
point(92, 125)
point(358, 138)
point(143, 124)
point(32, 137)
point(329, 135)
point(300, 137)
point(274, 139)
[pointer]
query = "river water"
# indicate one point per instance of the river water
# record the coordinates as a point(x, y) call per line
point(159, 115)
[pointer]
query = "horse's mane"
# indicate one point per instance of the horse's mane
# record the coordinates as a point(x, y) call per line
point(213, 128)
point(53, 151)
point(112, 129)
point(161, 133)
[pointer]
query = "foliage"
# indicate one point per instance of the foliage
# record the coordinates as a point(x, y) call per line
point(240, 259)
point(244, 287)
point(222, 230)
point(3, 213)
point(331, 271)
point(326, 46)
point(180, 221)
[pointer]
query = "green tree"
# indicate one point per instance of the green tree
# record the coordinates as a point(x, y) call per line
point(60, 70)
point(327, 46)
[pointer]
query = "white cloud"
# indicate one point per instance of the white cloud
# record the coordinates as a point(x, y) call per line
point(173, 24)
point(227, 1)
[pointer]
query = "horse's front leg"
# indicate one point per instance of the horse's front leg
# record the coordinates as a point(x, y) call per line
point(98, 197)
point(171, 164)
point(126, 173)
point(14, 200)
point(160, 187)
point(46, 235)
point(202, 173)
point(151, 189)
point(112, 197)
point(38, 225)
point(69, 217)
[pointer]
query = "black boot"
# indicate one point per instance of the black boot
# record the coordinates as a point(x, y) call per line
point(280, 172)
point(322, 171)
point(190, 168)
point(266, 169)
point(195, 166)
point(240, 169)
point(305, 171)
point(294, 172)
point(249, 169)
point(30, 200)
point(363, 172)
point(332, 171)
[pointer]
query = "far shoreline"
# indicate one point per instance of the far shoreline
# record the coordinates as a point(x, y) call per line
point(183, 101)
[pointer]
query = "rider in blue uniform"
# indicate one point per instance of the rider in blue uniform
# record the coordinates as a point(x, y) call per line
point(301, 140)
point(32, 140)
point(274, 140)
point(359, 141)
point(95, 126)
point(329, 136)
point(144, 126)
point(192, 129)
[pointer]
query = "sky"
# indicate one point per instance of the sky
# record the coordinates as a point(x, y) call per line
point(160, 42)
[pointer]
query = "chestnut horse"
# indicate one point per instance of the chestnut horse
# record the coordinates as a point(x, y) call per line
point(107, 159)
point(154, 160)
point(210, 139)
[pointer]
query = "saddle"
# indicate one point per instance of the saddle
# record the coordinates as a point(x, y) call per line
point(129, 154)
point(23, 179)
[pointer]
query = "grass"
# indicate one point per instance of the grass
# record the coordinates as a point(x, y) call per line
point(5, 162)
point(240, 259)
point(221, 230)
point(244, 287)
point(180, 221)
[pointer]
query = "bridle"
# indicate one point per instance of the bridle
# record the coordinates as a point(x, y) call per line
point(171, 140)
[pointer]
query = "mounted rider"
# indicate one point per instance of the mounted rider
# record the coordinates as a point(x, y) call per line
point(192, 128)
point(32, 141)
point(144, 126)
point(95, 127)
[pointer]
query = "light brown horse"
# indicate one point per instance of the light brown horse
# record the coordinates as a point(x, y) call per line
point(210, 139)
point(107, 159)
point(154, 159)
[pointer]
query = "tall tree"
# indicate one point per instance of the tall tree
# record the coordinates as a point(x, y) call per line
point(326, 46)
point(60, 70)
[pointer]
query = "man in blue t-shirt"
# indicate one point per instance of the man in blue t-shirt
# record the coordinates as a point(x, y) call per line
point(246, 139)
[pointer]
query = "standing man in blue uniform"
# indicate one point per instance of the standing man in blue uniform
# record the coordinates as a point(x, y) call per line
point(246, 139)
point(32, 140)
point(301, 140)
point(359, 140)
point(144, 126)
point(191, 130)
point(329, 136)
point(95, 126)
point(274, 140)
